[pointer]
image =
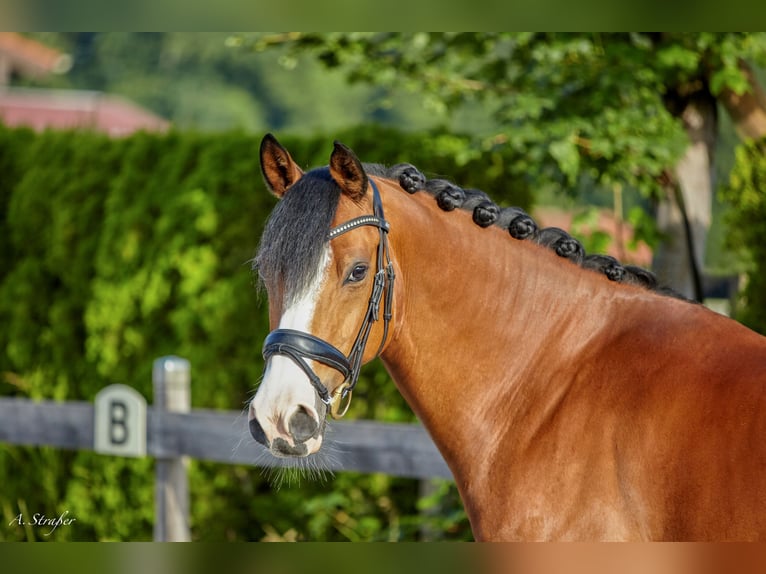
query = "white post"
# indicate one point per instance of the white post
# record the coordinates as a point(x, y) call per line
point(172, 392)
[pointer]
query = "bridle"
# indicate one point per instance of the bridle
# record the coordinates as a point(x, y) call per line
point(300, 346)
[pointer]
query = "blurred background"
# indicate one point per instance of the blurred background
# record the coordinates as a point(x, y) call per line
point(131, 202)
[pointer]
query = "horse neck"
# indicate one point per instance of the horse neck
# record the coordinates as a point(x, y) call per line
point(482, 322)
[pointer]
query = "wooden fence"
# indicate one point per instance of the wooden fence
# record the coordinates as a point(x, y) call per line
point(395, 449)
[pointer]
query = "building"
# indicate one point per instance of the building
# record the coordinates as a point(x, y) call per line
point(42, 109)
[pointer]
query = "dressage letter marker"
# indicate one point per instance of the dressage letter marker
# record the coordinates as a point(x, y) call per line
point(120, 421)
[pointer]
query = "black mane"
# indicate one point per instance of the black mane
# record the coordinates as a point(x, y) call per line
point(298, 228)
point(521, 226)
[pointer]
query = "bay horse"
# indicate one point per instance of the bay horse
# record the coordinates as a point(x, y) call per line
point(571, 398)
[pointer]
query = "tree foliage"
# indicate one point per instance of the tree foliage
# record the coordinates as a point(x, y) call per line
point(746, 192)
point(197, 81)
point(572, 106)
point(116, 252)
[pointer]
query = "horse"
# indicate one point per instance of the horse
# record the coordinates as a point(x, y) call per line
point(571, 397)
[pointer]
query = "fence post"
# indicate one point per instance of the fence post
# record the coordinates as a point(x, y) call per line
point(172, 392)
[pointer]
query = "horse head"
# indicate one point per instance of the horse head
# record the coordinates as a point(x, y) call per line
point(324, 261)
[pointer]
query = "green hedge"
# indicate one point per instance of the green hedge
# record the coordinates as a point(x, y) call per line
point(115, 252)
point(746, 193)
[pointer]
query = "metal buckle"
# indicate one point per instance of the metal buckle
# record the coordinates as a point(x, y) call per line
point(341, 400)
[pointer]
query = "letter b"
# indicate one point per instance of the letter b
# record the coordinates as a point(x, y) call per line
point(120, 422)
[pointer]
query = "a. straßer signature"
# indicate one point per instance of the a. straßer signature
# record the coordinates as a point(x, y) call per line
point(39, 519)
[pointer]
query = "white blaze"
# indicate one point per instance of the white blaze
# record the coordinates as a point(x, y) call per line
point(285, 386)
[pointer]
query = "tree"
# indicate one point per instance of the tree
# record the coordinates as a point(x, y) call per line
point(198, 82)
point(703, 69)
point(630, 109)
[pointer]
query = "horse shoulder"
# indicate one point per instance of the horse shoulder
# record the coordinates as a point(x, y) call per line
point(692, 446)
point(644, 432)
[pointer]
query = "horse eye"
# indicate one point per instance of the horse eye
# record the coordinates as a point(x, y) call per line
point(358, 273)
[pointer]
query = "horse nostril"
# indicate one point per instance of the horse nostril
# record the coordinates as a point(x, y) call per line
point(302, 425)
point(257, 431)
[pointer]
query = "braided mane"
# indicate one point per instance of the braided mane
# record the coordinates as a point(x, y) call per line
point(519, 225)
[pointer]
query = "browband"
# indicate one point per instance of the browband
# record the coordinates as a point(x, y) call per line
point(359, 222)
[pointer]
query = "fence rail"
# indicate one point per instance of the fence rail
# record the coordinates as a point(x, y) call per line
point(396, 449)
point(120, 423)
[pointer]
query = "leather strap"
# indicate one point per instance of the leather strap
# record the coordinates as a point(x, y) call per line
point(298, 346)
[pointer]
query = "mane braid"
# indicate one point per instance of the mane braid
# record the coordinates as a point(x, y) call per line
point(519, 225)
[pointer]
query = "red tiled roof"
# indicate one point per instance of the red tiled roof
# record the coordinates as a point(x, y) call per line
point(70, 109)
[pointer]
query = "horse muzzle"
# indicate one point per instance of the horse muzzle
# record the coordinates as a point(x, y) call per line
point(298, 434)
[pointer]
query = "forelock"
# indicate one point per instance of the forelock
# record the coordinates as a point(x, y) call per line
point(296, 233)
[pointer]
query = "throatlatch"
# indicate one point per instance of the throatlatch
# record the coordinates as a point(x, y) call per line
point(300, 346)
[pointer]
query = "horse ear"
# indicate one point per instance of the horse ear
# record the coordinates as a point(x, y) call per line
point(278, 168)
point(347, 171)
